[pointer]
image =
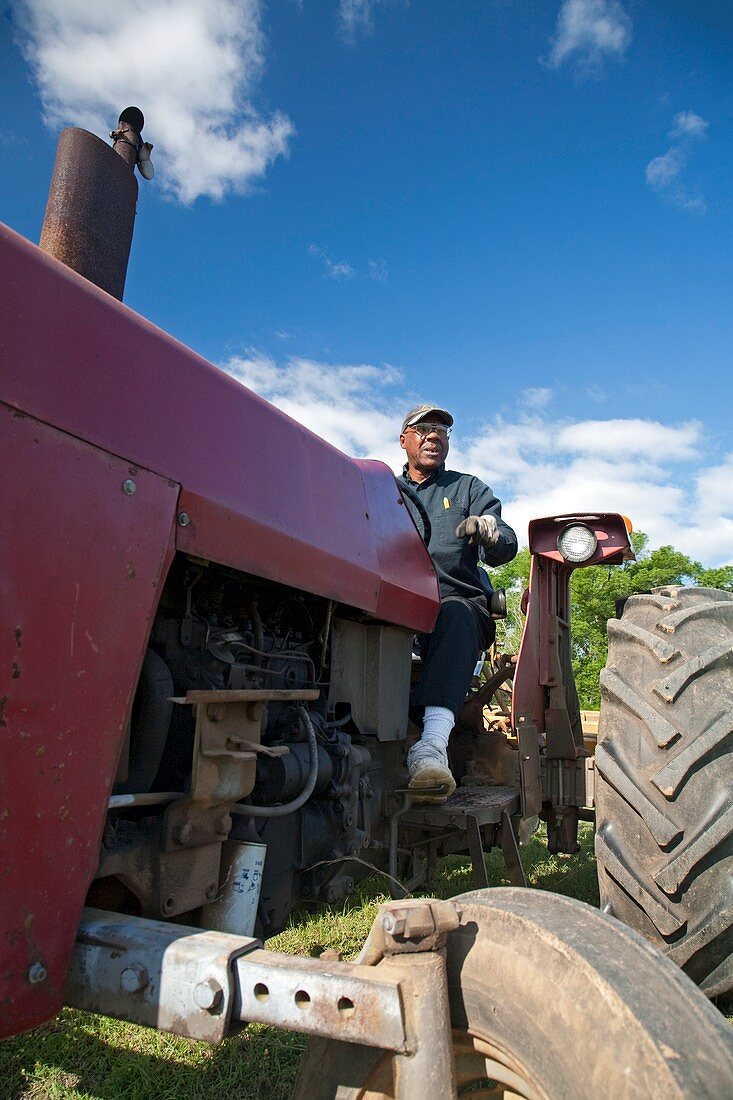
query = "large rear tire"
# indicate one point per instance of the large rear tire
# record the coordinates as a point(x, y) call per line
point(549, 998)
point(664, 786)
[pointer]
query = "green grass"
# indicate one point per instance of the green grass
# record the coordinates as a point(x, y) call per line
point(87, 1057)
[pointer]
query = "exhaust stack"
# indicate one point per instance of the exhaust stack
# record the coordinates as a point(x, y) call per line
point(90, 213)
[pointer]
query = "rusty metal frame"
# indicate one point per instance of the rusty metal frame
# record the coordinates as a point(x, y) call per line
point(201, 984)
point(338, 1000)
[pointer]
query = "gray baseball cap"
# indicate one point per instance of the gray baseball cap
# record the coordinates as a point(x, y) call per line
point(424, 412)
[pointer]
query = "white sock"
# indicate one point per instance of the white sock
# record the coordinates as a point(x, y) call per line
point(437, 724)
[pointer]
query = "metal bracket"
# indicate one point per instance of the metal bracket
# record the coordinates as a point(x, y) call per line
point(409, 926)
point(528, 742)
point(338, 1000)
point(226, 743)
point(223, 770)
point(162, 975)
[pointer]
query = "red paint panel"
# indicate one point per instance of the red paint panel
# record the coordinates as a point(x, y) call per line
point(81, 566)
point(528, 694)
point(264, 494)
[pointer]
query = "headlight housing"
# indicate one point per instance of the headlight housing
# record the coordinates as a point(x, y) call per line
point(577, 543)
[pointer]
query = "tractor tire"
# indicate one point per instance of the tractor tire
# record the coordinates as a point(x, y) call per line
point(664, 778)
point(550, 998)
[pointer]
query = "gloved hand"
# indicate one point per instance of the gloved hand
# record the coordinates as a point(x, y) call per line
point(479, 530)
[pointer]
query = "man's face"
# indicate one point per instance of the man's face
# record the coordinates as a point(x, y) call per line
point(426, 445)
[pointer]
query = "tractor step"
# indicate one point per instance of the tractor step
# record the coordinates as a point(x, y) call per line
point(470, 809)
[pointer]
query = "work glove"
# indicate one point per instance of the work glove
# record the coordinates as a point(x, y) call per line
point(479, 530)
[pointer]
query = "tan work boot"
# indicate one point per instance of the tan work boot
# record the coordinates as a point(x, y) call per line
point(430, 776)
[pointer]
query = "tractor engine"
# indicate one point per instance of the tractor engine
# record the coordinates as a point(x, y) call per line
point(220, 632)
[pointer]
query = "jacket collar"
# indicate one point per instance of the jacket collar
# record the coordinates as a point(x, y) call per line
point(426, 481)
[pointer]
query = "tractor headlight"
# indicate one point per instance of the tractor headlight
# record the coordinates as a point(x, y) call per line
point(577, 542)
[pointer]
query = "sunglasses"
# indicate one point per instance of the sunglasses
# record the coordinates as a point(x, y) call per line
point(424, 429)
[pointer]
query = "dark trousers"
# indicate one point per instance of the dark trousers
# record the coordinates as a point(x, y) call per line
point(461, 632)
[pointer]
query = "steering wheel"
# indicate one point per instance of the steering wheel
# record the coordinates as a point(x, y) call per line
point(409, 494)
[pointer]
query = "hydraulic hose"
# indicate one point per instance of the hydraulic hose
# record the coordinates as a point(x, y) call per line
point(302, 798)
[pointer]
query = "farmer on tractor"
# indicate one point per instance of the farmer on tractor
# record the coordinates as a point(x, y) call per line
point(465, 527)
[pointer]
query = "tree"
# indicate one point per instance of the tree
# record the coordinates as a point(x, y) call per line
point(594, 593)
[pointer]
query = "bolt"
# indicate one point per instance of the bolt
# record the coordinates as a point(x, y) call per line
point(182, 833)
point(211, 891)
point(393, 925)
point(37, 973)
point(183, 519)
point(134, 978)
point(129, 486)
point(209, 995)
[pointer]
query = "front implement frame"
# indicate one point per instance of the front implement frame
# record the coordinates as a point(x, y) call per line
point(545, 708)
point(204, 985)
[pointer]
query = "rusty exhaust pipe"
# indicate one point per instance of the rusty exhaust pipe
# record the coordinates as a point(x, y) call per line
point(90, 214)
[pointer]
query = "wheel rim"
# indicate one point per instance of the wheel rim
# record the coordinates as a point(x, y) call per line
point(485, 1071)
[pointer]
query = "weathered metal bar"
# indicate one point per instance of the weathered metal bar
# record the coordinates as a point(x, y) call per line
point(429, 1069)
point(198, 983)
point(249, 695)
point(166, 976)
point(338, 1000)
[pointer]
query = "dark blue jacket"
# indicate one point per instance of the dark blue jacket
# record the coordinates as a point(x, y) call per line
point(448, 498)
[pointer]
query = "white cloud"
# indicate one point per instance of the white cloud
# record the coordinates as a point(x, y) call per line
point(664, 173)
point(658, 474)
point(356, 17)
point(688, 124)
point(588, 32)
point(191, 67)
point(536, 397)
point(356, 407)
point(631, 437)
point(651, 472)
point(378, 271)
point(334, 269)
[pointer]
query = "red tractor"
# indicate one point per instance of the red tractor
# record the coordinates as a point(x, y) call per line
point(206, 670)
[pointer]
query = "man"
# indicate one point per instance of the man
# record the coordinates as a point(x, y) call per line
point(466, 525)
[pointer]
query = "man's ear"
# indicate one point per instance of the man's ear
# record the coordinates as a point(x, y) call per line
point(402, 441)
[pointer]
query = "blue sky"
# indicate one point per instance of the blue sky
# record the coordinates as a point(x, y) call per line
point(520, 209)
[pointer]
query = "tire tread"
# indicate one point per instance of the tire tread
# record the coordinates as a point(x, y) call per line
point(666, 728)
